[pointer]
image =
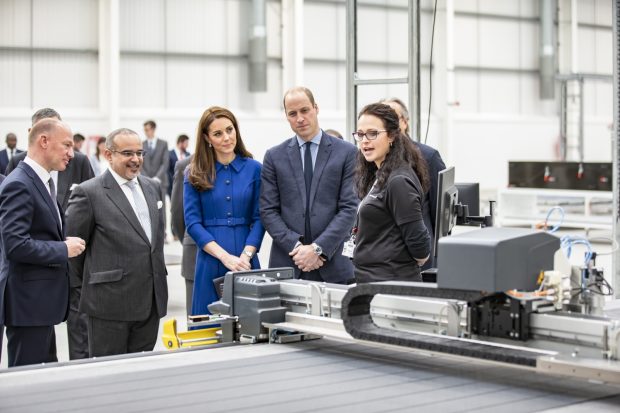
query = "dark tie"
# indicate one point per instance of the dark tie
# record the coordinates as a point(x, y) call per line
point(53, 195)
point(308, 179)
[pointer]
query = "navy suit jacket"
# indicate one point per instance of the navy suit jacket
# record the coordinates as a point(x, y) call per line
point(333, 203)
point(34, 282)
point(4, 158)
point(429, 203)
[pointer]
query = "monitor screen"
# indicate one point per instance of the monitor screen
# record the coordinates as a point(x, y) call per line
point(447, 198)
point(469, 194)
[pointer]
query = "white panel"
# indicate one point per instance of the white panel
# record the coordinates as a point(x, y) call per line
point(142, 25)
point(529, 44)
point(66, 23)
point(14, 23)
point(498, 40)
point(320, 31)
point(465, 41)
point(530, 95)
point(466, 91)
point(589, 100)
point(192, 24)
point(191, 82)
point(274, 29)
point(398, 33)
point(324, 81)
point(499, 93)
point(15, 79)
point(466, 5)
point(587, 53)
point(504, 7)
point(142, 82)
point(341, 32)
point(605, 100)
point(530, 8)
point(604, 52)
point(585, 11)
point(237, 91)
point(66, 80)
point(372, 42)
point(603, 12)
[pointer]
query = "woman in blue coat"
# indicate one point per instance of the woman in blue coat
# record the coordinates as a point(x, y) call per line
point(220, 198)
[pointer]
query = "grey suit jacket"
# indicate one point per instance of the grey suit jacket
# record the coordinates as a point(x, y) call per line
point(333, 203)
point(121, 271)
point(188, 262)
point(156, 162)
point(78, 171)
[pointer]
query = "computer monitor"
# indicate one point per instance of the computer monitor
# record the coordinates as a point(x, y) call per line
point(469, 194)
point(447, 199)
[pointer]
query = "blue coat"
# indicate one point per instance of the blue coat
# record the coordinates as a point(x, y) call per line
point(227, 214)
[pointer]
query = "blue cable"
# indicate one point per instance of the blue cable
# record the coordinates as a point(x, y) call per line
point(558, 225)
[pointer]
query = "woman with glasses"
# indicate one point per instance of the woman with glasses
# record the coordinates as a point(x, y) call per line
point(220, 199)
point(391, 240)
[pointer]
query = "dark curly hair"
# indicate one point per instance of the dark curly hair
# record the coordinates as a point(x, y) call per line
point(402, 152)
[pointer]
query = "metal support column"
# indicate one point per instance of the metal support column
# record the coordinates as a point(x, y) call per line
point(616, 146)
point(413, 73)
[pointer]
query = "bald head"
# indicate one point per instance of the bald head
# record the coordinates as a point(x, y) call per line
point(50, 143)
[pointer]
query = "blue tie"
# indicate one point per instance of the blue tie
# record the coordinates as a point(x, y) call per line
point(308, 179)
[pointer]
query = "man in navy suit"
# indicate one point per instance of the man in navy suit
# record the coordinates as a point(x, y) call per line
point(34, 254)
point(309, 210)
point(11, 150)
point(176, 154)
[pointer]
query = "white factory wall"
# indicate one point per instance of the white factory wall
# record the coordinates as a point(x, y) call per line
point(178, 57)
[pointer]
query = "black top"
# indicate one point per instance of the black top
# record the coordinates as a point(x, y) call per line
point(391, 231)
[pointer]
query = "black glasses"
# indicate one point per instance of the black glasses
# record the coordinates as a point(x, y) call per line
point(130, 154)
point(371, 135)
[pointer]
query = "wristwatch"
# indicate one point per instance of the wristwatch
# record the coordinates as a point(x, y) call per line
point(249, 254)
point(317, 249)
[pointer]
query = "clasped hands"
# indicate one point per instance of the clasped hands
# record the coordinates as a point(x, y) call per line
point(234, 263)
point(305, 258)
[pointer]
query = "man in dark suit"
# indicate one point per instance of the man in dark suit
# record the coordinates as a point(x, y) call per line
point(177, 214)
point(34, 283)
point(77, 171)
point(9, 152)
point(435, 165)
point(177, 154)
point(156, 159)
point(120, 215)
point(309, 211)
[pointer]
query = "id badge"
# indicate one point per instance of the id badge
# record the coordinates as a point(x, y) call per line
point(348, 248)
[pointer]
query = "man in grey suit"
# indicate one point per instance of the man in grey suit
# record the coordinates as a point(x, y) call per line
point(120, 215)
point(309, 211)
point(188, 261)
point(156, 160)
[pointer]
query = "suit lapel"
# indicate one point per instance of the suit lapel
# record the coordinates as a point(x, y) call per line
point(43, 192)
point(295, 159)
point(118, 198)
point(151, 202)
point(322, 156)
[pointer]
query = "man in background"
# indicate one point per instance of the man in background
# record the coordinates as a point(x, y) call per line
point(156, 159)
point(9, 152)
point(120, 216)
point(178, 153)
point(34, 282)
point(435, 165)
point(78, 141)
point(177, 218)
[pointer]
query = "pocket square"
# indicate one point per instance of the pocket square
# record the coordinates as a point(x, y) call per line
point(159, 204)
point(73, 186)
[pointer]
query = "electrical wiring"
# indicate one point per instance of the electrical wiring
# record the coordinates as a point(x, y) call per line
point(614, 244)
point(430, 74)
point(559, 224)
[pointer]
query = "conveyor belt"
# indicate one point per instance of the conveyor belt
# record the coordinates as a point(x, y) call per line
point(358, 323)
point(322, 375)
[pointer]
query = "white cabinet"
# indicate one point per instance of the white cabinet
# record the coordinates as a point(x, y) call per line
point(529, 206)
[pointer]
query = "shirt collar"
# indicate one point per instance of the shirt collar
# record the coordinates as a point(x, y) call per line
point(236, 164)
point(315, 139)
point(119, 179)
point(41, 172)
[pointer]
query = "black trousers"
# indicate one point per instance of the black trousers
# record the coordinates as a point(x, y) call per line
point(30, 345)
point(110, 337)
point(189, 292)
point(77, 328)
